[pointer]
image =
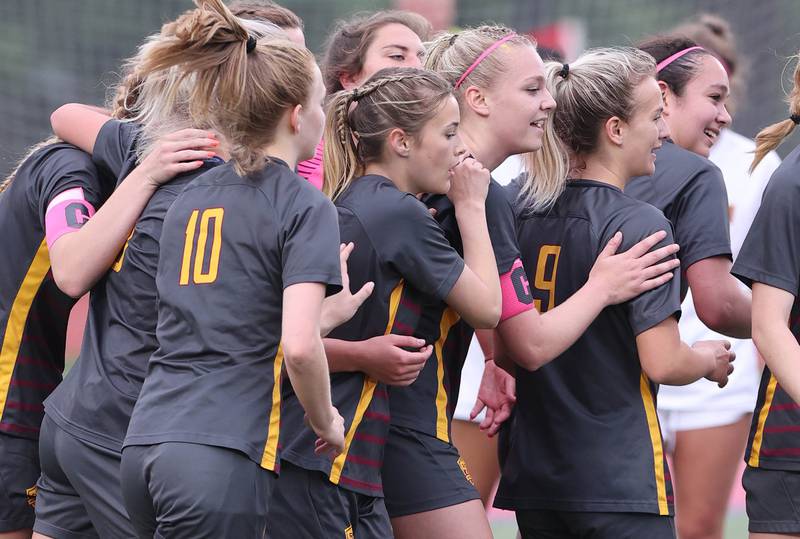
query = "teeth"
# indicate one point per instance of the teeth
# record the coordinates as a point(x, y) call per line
point(709, 133)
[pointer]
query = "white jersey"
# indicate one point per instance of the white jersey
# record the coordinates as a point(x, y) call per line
point(732, 153)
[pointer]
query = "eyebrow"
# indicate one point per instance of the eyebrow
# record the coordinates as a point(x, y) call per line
point(451, 124)
point(539, 79)
point(403, 48)
point(720, 87)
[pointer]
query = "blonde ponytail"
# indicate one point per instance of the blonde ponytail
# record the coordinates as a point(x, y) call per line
point(771, 137)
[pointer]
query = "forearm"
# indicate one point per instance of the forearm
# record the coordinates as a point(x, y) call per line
point(478, 253)
point(308, 372)
point(780, 350)
point(684, 366)
point(343, 356)
point(533, 340)
point(80, 258)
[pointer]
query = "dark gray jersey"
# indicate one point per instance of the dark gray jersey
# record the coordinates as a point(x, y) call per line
point(771, 255)
point(230, 245)
point(33, 311)
point(96, 399)
point(399, 247)
point(584, 435)
point(690, 190)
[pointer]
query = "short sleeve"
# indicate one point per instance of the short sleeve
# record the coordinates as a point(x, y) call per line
point(115, 147)
point(502, 229)
point(652, 307)
point(771, 251)
point(700, 218)
point(412, 242)
point(67, 170)
point(310, 241)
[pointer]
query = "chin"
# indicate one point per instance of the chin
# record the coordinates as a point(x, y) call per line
point(702, 149)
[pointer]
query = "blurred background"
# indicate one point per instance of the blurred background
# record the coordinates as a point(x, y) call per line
point(58, 51)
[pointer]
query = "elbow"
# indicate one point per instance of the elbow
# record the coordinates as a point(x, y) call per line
point(760, 334)
point(58, 118)
point(529, 356)
point(715, 313)
point(70, 283)
point(484, 319)
point(301, 352)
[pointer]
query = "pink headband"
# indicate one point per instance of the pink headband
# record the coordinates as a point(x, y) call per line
point(483, 56)
point(664, 63)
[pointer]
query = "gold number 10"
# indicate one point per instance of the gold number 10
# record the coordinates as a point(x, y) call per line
point(199, 277)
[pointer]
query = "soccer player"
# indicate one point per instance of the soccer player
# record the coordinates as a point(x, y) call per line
point(705, 429)
point(359, 47)
point(247, 251)
point(769, 262)
point(399, 140)
point(584, 452)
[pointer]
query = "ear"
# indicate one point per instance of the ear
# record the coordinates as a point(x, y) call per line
point(398, 142)
point(476, 99)
point(615, 130)
point(350, 81)
point(667, 95)
point(295, 118)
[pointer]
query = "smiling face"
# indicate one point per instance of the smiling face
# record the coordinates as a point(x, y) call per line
point(644, 130)
point(696, 118)
point(393, 45)
point(519, 102)
point(435, 150)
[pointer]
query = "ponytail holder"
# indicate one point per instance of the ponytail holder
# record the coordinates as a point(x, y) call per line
point(564, 71)
point(795, 118)
point(453, 39)
point(251, 44)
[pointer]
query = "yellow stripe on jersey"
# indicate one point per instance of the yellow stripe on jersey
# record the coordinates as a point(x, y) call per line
point(758, 439)
point(449, 319)
point(367, 391)
point(363, 403)
point(18, 316)
point(655, 439)
point(271, 448)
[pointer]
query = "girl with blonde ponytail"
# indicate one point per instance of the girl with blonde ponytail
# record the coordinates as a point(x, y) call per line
point(207, 69)
point(386, 142)
point(506, 109)
point(769, 264)
point(589, 416)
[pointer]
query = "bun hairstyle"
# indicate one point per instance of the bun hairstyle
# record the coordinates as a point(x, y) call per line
point(358, 121)
point(462, 57)
point(771, 137)
point(209, 69)
point(584, 96)
point(679, 72)
point(347, 45)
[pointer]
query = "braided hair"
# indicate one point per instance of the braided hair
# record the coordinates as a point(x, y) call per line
point(393, 98)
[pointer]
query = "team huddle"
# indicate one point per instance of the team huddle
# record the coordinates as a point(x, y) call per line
point(288, 263)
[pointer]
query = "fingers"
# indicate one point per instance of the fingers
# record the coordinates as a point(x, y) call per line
point(612, 245)
point(187, 155)
point(660, 269)
point(659, 254)
point(197, 143)
point(655, 283)
point(363, 293)
point(405, 341)
point(415, 359)
point(726, 344)
point(476, 409)
point(188, 133)
point(646, 244)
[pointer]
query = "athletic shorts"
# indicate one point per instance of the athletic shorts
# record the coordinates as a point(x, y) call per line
point(79, 492)
point(578, 525)
point(421, 473)
point(306, 505)
point(184, 490)
point(773, 500)
point(675, 421)
point(19, 470)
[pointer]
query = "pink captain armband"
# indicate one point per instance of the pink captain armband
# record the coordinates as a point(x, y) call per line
point(312, 169)
point(66, 213)
point(516, 291)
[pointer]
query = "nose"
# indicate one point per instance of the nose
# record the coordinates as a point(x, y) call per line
point(663, 129)
point(459, 150)
point(724, 117)
point(548, 103)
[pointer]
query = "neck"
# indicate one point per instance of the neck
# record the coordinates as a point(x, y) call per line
point(284, 151)
point(482, 145)
point(394, 172)
point(602, 170)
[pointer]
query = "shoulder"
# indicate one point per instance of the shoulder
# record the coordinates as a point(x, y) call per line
point(635, 219)
point(680, 163)
point(786, 178)
point(377, 202)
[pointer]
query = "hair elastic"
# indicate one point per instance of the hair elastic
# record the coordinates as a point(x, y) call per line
point(483, 56)
point(564, 71)
point(795, 118)
point(251, 44)
point(665, 62)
